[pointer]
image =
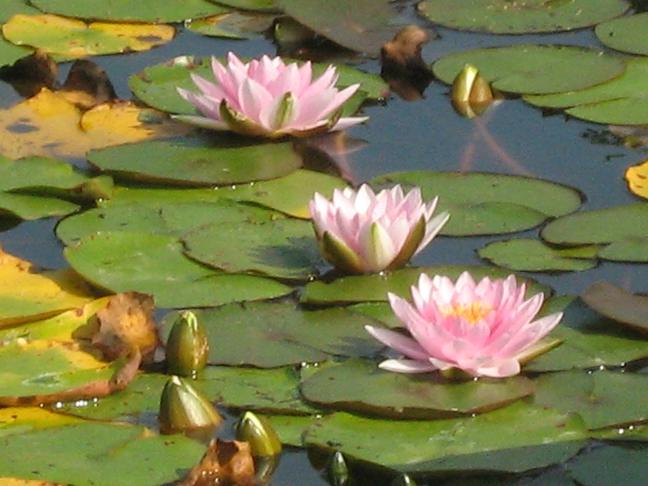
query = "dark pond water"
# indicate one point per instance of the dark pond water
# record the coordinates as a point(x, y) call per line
point(426, 134)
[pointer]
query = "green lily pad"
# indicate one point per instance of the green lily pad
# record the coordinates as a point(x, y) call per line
point(626, 34)
point(27, 207)
point(589, 340)
point(125, 10)
point(374, 288)
point(602, 398)
point(254, 5)
point(157, 85)
point(534, 69)
point(482, 204)
point(380, 311)
point(620, 101)
point(290, 194)
point(159, 217)
point(268, 391)
point(291, 428)
point(526, 17)
point(618, 304)
point(534, 256)
point(13, 7)
point(628, 250)
point(232, 25)
point(610, 465)
point(363, 25)
point(10, 53)
point(620, 225)
point(189, 162)
point(154, 264)
point(270, 335)
point(542, 437)
point(285, 248)
point(98, 454)
point(360, 386)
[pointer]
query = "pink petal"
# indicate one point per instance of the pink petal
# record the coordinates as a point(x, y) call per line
point(397, 341)
point(501, 369)
point(406, 366)
point(202, 122)
point(432, 229)
point(347, 122)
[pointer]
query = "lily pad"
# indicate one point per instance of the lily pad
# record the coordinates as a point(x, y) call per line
point(159, 217)
point(620, 225)
point(618, 304)
point(481, 203)
point(285, 248)
point(254, 5)
point(526, 17)
point(291, 428)
point(542, 437)
point(534, 256)
point(98, 454)
point(620, 101)
point(13, 7)
point(18, 420)
point(157, 85)
point(154, 264)
point(10, 53)
point(534, 69)
point(637, 178)
point(374, 288)
point(628, 250)
point(232, 25)
point(71, 39)
point(626, 34)
point(602, 399)
point(589, 340)
point(190, 162)
point(360, 386)
point(28, 207)
point(127, 11)
point(610, 465)
point(270, 335)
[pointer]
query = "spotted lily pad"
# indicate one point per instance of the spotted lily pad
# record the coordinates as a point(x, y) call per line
point(157, 85)
point(534, 69)
point(374, 288)
point(71, 39)
point(284, 249)
point(488, 203)
point(360, 386)
point(602, 398)
point(127, 11)
point(620, 101)
point(270, 335)
point(191, 162)
point(626, 34)
point(618, 304)
point(534, 256)
point(521, 17)
point(154, 264)
point(542, 437)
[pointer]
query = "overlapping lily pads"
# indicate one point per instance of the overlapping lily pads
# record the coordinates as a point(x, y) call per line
point(270, 335)
point(620, 101)
point(623, 228)
point(125, 10)
point(157, 85)
point(232, 25)
point(360, 386)
point(627, 34)
point(154, 264)
point(522, 17)
point(481, 203)
point(534, 69)
point(618, 304)
point(191, 162)
point(534, 256)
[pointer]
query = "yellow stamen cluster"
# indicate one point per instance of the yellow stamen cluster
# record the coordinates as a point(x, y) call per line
point(471, 313)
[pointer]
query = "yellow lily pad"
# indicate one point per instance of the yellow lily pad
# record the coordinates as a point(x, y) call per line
point(26, 294)
point(637, 178)
point(24, 419)
point(48, 124)
point(72, 39)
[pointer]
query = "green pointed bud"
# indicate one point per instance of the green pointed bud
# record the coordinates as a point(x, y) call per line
point(187, 347)
point(338, 471)
point(259, 433)
point(183, 408)
point(264, 467)
point(403, 480)
point(471, 94)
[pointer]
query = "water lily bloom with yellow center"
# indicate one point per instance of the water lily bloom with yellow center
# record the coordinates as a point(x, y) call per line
point(360, 231)
point(269, 98)
point(482, 328)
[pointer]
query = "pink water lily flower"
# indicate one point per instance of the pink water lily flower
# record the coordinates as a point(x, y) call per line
point(482, 328)
point(360, 231)
point(268, 98)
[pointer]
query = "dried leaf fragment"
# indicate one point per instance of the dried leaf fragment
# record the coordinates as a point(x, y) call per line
point(226, 463)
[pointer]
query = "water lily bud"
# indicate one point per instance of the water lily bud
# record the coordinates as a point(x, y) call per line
point(183, 408)
point(471, 93)
point(187, 347)
point(403, 480)
point(259, 433)
point(338, 471)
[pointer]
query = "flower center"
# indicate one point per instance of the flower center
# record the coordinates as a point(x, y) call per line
point(471, 313)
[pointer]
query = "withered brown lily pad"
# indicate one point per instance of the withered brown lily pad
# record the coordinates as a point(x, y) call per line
point(226, 463)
